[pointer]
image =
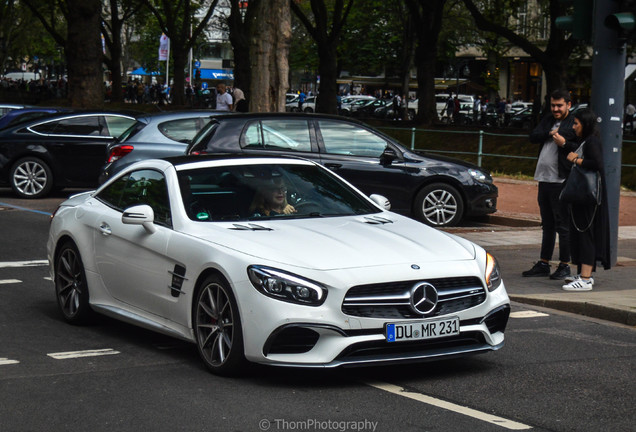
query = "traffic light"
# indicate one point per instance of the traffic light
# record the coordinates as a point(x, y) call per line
point(197, 74)
point(580, 22)
point(623, 21)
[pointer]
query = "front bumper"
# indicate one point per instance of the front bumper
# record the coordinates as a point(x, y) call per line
point(366, 348)
point(284, 334)
point(482, 199)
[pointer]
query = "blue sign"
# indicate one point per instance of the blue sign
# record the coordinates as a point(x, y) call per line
point(204, 85)
point(197, 64)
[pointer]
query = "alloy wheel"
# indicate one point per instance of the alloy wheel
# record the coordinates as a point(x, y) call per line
point(69, 283)
point(214, 324)
point(439, 207)
point(31, 178)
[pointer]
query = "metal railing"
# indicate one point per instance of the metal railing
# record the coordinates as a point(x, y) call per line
point(480, 153)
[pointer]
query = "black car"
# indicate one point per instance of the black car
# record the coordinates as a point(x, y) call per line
point(63, 150)
point(522, 119)
point(436, 190)
point(22, 115)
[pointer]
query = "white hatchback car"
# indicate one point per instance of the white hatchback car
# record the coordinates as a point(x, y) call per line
point(272, 260)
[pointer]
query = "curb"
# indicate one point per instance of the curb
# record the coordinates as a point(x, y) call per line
point(590, 309)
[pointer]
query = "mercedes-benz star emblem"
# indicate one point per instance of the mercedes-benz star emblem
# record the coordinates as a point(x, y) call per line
point(423, 298)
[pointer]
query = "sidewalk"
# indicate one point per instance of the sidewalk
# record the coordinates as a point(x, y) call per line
point(513, 235)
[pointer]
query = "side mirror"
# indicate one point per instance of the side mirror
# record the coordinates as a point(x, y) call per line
point(388, 155)
point(381, 201)
point(142, 215)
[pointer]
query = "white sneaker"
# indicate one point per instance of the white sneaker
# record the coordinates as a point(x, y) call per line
point(572, 278)
point(579, 284)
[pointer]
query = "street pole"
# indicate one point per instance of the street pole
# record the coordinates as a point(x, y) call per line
point(608, 86)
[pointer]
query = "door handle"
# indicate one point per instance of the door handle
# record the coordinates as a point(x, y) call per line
point(333, 166)
point(104, 228)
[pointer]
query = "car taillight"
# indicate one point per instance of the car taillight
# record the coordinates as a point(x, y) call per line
point(119, 152)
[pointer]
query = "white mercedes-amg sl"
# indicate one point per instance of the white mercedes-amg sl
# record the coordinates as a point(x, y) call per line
point(274, 260)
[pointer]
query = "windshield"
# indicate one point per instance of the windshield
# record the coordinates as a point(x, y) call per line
point(266, 192)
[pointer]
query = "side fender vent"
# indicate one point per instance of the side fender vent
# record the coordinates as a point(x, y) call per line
point(178, 276)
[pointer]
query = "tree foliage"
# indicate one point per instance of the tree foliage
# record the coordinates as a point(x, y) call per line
point(177, 21)
point(501, 17)
point(325, 25)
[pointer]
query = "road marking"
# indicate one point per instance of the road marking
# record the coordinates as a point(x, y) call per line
point(33, 263)
point(499, 421)
point(25, 209)
point(48, 278)
point(528, 314)
point(9, 281)
point(6, 361)
point(85, 353)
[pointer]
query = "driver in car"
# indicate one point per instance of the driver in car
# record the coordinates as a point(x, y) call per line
point(271, 199)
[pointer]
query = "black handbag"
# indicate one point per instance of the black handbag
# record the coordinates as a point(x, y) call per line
point(583, 187)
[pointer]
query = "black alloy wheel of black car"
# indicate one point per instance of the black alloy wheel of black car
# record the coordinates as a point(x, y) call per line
point(217, 327)
point(71, 288)
point(31, 177)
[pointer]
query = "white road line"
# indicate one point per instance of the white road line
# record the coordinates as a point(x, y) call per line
point(48, 278)
point(528, 314)
point(6, 361)
point(33, 263)
point(499, 421)
point(86, 353)
point(9, 281)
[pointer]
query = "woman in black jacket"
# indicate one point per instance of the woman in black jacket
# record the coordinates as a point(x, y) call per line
point(589, 224)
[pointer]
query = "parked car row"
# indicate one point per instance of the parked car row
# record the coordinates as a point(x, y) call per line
point(89, 148)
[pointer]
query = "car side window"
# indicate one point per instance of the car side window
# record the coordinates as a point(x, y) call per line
point(283, 134)
point(79, 126)
point(349, 139)
point(116, 125)
point(140, 187)
point(182, 130)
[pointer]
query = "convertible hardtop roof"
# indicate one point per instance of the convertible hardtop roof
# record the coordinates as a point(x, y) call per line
point(187, 159)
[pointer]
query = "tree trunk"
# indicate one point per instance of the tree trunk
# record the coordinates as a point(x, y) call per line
point(427, 15)
point(269, 51)
point(327, 101)
point(407, 56)
point(84, 54)
point(240, 39)
point(179, 62)
point(116, 24)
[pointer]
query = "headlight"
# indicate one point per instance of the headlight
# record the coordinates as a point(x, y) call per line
point(480, 176)
point(493, 274)
point(286, 286)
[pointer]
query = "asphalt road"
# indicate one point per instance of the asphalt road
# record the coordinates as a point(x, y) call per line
point(557, 372)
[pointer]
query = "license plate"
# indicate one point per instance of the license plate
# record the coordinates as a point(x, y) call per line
point(430, 329)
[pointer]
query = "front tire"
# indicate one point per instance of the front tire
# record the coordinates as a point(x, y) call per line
point(439, 205)
point(30, 177)
point(217, 327)
point(71, 289)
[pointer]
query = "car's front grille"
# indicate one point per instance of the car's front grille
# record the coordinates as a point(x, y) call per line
point(393, 300)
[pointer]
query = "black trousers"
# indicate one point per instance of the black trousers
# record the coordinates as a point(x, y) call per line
point(554, 220)
point(582, 243)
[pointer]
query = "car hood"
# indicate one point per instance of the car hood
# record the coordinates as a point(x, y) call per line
point(428, 157)
point(340, 243)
